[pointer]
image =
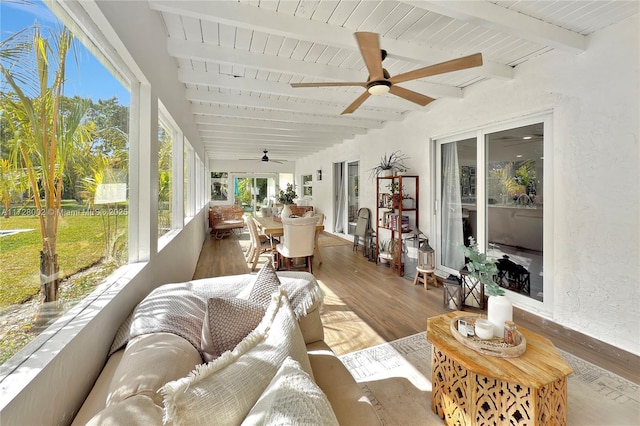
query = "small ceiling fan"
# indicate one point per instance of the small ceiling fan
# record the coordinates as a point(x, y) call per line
point(265, 158)
point(379, 80)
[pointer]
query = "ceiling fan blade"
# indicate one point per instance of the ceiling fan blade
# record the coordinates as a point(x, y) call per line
point(410, 95)
point(470, 61)
point(369, 44)
point(354, 106)
point(330, 84)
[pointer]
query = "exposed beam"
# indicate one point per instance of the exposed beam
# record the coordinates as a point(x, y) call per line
point(208, 120)
point(285, 116)
point(260, 102)
point(490, 15)
point(212, 79)
point(261, 19)
point(208, 129)
point(205, 135)
point(224, 55)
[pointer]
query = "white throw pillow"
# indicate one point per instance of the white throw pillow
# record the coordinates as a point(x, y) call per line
point(292, 399)
point(224, 390)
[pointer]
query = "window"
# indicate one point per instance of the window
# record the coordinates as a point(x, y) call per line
point(307, 185)
point(93, 208)
point(219, 186)
point(165, 181)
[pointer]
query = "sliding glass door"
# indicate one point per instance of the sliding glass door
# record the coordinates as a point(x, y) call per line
point(490, 186)
point(346, 196)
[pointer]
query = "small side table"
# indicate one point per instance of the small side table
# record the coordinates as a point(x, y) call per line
point(474, 389)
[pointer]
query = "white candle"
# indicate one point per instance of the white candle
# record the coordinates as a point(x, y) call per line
point(484, 329)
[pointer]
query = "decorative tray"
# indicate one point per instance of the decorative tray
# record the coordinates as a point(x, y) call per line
point(493, 347)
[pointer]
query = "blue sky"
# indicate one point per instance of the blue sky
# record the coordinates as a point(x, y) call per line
point(89, 79)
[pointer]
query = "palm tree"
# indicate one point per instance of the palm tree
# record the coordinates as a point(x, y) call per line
point(34, 67)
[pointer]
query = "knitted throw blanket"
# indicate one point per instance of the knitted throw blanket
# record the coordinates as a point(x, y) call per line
point(180, 308)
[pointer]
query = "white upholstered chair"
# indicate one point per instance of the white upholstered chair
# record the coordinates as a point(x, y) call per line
point(298, 239)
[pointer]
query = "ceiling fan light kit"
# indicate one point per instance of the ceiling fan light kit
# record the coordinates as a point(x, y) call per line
point(378, 88)
point(380, 81)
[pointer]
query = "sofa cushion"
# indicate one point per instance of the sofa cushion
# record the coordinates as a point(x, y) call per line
point(292, 398)
point(139, 410)
point(150, 361)
point(226, 388)
point(226, 322)
point(349, 404)
point(97, 398)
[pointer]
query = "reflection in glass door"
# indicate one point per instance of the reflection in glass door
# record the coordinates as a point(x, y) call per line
point(490, 187)
point(515, 208)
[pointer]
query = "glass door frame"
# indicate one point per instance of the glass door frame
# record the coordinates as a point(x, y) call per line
point(233, 179)
point(545, 118)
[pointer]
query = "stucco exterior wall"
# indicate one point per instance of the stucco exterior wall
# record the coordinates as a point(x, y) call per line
point(594, 101)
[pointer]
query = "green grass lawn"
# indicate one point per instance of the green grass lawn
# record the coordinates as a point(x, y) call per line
point(80, 245)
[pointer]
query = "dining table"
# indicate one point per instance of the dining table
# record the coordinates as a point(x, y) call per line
point(273, 228)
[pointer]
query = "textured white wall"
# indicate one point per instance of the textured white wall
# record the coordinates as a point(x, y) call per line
point(594, 99)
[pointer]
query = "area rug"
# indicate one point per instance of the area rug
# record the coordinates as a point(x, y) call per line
point(328, 240)
point(396, 377)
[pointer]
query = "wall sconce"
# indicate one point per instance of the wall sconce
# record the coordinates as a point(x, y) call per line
point(319, 174)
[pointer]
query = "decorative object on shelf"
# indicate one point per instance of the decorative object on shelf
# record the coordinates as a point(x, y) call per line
point(484, 270)
point(390, 164)
point(390, 218)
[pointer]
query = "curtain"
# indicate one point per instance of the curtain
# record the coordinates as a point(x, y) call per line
point(340, 199)
point(452, 237)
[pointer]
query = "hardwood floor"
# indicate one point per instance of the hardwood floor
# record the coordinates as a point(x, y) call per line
point(367, 304)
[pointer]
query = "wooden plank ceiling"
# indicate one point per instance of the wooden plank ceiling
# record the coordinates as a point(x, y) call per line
point(238, 58)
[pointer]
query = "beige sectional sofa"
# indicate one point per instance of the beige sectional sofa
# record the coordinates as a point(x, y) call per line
point(156, 372)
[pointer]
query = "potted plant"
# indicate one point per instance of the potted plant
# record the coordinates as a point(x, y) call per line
point(389, 164)
point(286, 198)
point(484, 270)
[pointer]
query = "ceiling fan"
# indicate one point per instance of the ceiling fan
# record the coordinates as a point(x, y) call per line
point(265, 158)
point(379, 80)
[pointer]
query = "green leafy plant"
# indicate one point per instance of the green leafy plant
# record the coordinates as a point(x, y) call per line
point(287, 197)
point(395, 160)
point(481, 268)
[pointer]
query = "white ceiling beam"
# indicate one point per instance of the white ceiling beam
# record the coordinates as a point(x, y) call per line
point(223, 144)
point(219, 110)
point(323, 141)
point(260, 19)
point(208, 120)
point(212, 79)
point(490, 15)
point(259, 102)
point(228, 56)
point(274, 148)
point(205, 129)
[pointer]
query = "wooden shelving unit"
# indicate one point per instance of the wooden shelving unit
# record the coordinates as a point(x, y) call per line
point(389, 214)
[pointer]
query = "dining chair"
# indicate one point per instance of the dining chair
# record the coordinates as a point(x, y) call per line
point(320, 218)
point(298, 240)
point(259, 243)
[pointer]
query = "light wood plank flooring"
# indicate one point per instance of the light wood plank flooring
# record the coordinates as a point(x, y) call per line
point(367, 304)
